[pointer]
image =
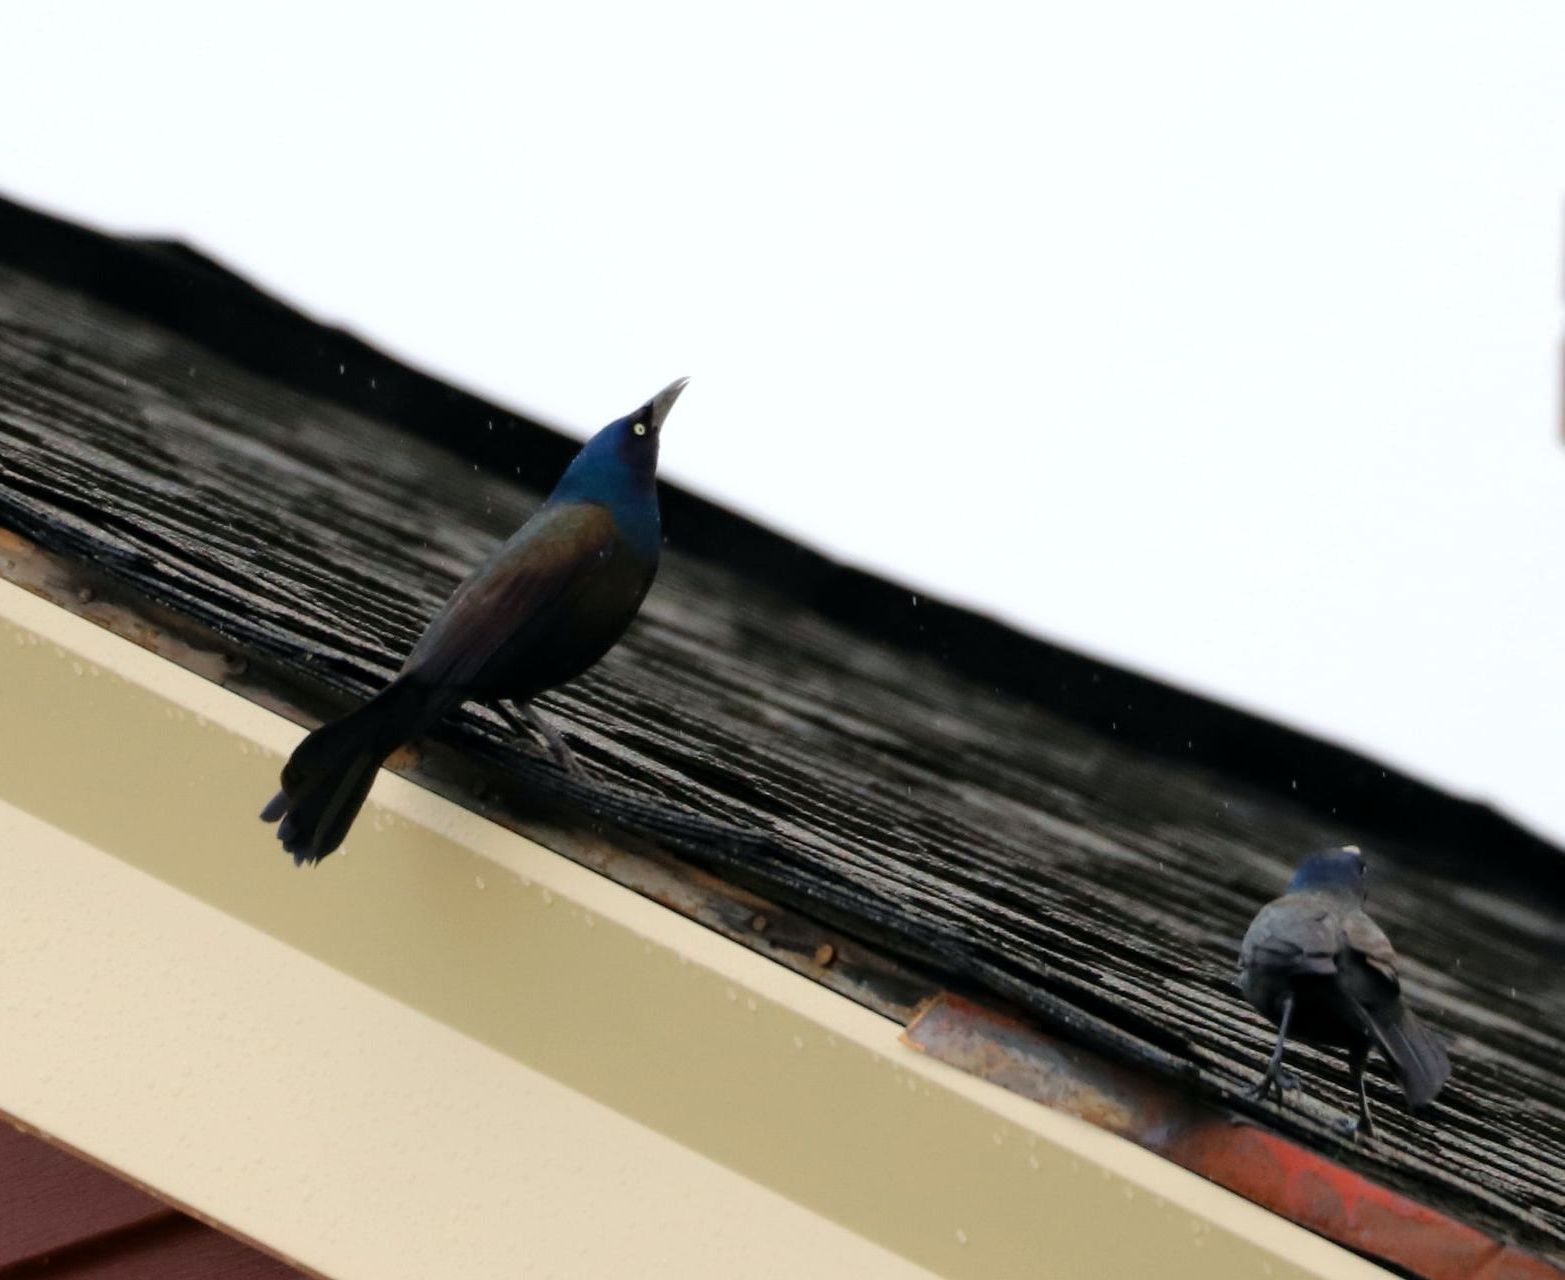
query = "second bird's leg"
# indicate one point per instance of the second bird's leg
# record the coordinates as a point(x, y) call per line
point(525, 718)
point(1357, 1058)
point(1277, 1079)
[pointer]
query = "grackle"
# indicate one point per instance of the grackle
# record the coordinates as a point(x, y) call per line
point(542, 609)
point(1321, 970)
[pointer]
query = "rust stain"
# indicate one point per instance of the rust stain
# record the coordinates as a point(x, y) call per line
point(1008, 1053)
point(23, 563)
point(1265, 1168)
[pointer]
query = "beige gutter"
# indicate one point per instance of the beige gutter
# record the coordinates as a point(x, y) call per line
point(449, 1051)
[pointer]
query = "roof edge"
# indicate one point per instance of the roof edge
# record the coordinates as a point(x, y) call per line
point(679, 1079)
point(180, 288)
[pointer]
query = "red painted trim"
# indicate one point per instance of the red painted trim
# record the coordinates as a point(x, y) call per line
point(1347, 1207)
point(1266, 1168)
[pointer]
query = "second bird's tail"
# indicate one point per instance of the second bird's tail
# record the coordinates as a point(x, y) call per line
point(1417, 1058)
point(330, 773)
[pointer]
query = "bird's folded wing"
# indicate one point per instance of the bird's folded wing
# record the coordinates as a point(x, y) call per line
point(1291, 936)
point(518, 589)
point(1364, 937)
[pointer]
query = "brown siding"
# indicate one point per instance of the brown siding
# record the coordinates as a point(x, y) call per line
point(60, 1216)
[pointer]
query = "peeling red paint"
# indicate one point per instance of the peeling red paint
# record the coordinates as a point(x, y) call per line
point(1345, 1206)
point(1272, 1171)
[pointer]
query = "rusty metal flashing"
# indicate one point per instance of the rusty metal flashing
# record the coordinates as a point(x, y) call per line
point(451, 1049)
point(1266, 1168)
point(1271, 1171)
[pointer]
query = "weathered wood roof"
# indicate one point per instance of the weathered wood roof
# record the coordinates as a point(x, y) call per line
point(984, 807)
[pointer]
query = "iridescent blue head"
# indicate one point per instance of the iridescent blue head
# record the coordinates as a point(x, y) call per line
point(1334, 870)
point(617, 469)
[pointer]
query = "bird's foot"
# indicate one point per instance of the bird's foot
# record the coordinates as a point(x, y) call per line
point(527, 717)
point(1274, 1084)
point(563, 756)
point(1356, 1128)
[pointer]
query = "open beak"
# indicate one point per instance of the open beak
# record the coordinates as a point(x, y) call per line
point(664, 401)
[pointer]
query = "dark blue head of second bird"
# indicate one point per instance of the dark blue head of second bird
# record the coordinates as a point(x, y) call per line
point(617, 469)
point(1333, 870)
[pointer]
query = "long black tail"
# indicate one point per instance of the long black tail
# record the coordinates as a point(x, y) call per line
point(1417, 1058)
point(329, 774)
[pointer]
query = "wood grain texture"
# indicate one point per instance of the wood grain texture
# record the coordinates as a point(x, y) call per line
point(956, 822)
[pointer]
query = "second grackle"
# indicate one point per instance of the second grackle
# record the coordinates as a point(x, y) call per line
point(549, 603)
point(1322, 971)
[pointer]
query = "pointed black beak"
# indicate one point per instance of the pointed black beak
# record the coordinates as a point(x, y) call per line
point(664, 401)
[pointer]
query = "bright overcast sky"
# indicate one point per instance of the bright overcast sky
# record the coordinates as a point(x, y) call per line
point(1221, 340)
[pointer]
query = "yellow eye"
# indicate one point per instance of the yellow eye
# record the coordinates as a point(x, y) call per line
point(640, 428)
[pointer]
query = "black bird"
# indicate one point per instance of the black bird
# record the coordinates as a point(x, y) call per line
point(542, 609)
point(1321, 970)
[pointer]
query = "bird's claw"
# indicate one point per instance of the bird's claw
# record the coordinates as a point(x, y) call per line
point(527, 719)
point(566, 759)
point(1278, 1084)
point(1355, 1128)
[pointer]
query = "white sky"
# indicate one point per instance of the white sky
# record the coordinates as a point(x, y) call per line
point(1221, 340)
